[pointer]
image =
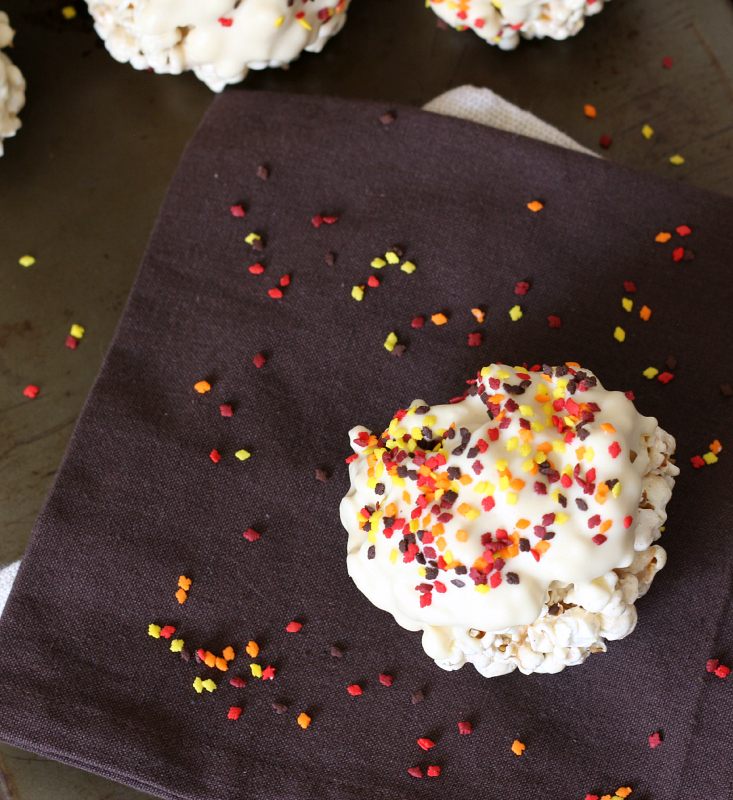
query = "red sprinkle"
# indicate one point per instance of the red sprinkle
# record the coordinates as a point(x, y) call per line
point(667, 62)
point(201, 653)
point(655, 740)
point(426, 744)
point(599, 538)
point(712, 665)
point(214, 456)
point(72, 342)
point(614, 449)
point(721, 671)
point(416, 772)
point(684, 230)
point(234, 712)
point(488, 503)
point(474, 339)
point(605, 141)
point(555, 322)
point(630, 396)
point(293, 627)
point(330, 220)
point(629, 286)
point(354, 690)
point(678, 253)
point(237, 211)
point(251, 535)
point(465, 728)
point(665, 377)
point(373, 281)
point(168, 630)
point(495, 580)
point(259, 360)
point(521, 288)
point(697, 462)
point(628, 521)
point(418, 322)
point(31, 391)
point(285, 280)
point(226, 22)
point(591, 797)
point(226, 411)
point(385, 680)
point(268, 673)
point(351, 458)
point(237, 683)
point(433, 772)
point(276, 293)
point(257, 269)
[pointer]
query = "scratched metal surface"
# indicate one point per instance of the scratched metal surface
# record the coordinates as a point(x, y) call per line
point(81, 184)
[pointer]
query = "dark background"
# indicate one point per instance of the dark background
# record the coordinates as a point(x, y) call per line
point(81, 183)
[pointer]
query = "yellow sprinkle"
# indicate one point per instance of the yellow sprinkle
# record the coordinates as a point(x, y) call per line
point(561, 519)
point(501, 464)
point(251, 238)
point(525, 449)
point(627, 304)
point(503, 483)
point(357, 292)
point(393, 556)
point(256, 670)
point(518, 748)
point(414, 525)
point(422, 572)
point(305, 24)
point(77, 331)
point(558, 446)
point(177, 645)
point(650, 372)
point(392, 258)
point(408, 267)
point(304, 720)
point(154, 631)
point(279, 21)
point(69, 12)
point(526, 411)
point(390, 342)
point(242, 455)
point(619, 334)
point(515, 313)
point(536, 426)
point(479, 314)
point(209, 685)
point(252, 649)
point(589, 454)
point(677, 160)
point(198, 685)
point(26, 261)
point(378, 263)
point(535, 206)
point(528, 465)
point(430, 420)
point(511, 498)
point(482, 588)
point(503, 374)
point(647, 132)
point(710, 458)
point(540, 458)
point(512, 444)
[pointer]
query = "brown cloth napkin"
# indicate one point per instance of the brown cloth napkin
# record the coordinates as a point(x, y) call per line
point(138, 501)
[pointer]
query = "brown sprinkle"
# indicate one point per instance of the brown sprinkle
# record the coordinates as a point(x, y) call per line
point(418, 697)
point(336, 652)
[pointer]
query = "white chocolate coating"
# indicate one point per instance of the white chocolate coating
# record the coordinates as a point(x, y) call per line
point(178, 35)
point(590, 586)
point(12, 86)
point(501, 22)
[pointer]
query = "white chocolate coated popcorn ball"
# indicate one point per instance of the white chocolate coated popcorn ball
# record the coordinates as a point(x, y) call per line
point(220, 40)
point(12, 86)
point(513, 526)
point(501, 22)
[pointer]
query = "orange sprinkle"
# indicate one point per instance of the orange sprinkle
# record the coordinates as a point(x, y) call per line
point(590, 111)
point(391, 510)
point(545, 447)
point(517, 485)
point(252, 649)
point(542, 547)
point(209, 659)
point(184, 583)
point(645, 313)
point(221, 663)
point(716, 447)
point(526, 436)
point(603, 489)
point(515, 537)
point(304, 720)
point(478, 313)
point(573, 364)
point(607, 427)
point(522, 524)
point(406, 497)
point(624, 791)
point(600, 498)
point(439, 319)
point(663, 237)
point(202, 387)
point(605, 526)
point(439, 529)
point(480, 563)
point(462, 536)
point(465, 480)
point(229, 654)
point(535, 206)
point(518, 748)
point(181, 596)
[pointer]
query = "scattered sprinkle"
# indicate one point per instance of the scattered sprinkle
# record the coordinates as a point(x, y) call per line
point(69, 12)
point(259, 361)
point(276, 293)
point(226, 411)
point(234, 712)
point(667, 62)
point(555, 322)
point(202, 387)
point(629, 286)
point(650, 372)
point(225, 22)
point(354, 690)
point(645, 312)
point(256, 670)
point(515, 312)
point(237, 683)
point(251, 238)
point(167, 631)
point(177, 645)
point(378, 263)
point(242, 455)
point(390, 341)
point(26, 261)
point(535, 206)
point(214, 456)
point(252, 649)
point(304, 720)
point(677, 160)
point(321, 475)
point(408, 267)
point(590, 111)
point(417, 697)
point(373, 281)
point(76, 331)
point(387, 119)
point(683, 230)
point(417, 322)
point(465, 728)
point(209, 685)
point(256, 269)
point(251, 535)
point(293, 627)
point(154, 631)
point(181, 596)
point(647, 131)
point(521, 288)
point(336, 652)
point(518, 748)
point(268, 673)
point(198, 685)
point(605, 141)
point(439, 319)
point(655, 740)
point(426, 744)
point(228, 654)
point(262, 172)
point(237, 211)
point(385, 680)
point(665, 377)
point(619, 334)
point(31, 391)
point(478, 313)
point(416, 772)
point(280, 708)
point(722, 671)
point(663, 237)
point(627, 304)
point(474, 339)
point(358, 293)
point(433, 772)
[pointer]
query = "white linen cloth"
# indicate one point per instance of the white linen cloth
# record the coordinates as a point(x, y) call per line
point(465, 102)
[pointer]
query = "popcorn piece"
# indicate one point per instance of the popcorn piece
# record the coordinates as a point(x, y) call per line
point(12, 86)
point(517, 539)
point(189, 34)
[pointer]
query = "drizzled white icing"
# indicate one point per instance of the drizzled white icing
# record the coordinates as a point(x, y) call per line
point(598, 578)
point(12, 85)
point(501, 22)
point(218, 39)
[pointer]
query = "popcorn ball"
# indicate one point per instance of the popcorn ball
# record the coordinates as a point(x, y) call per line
point(12, 86)
point(220, 40)
point(501, 23)
point(514, 526)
